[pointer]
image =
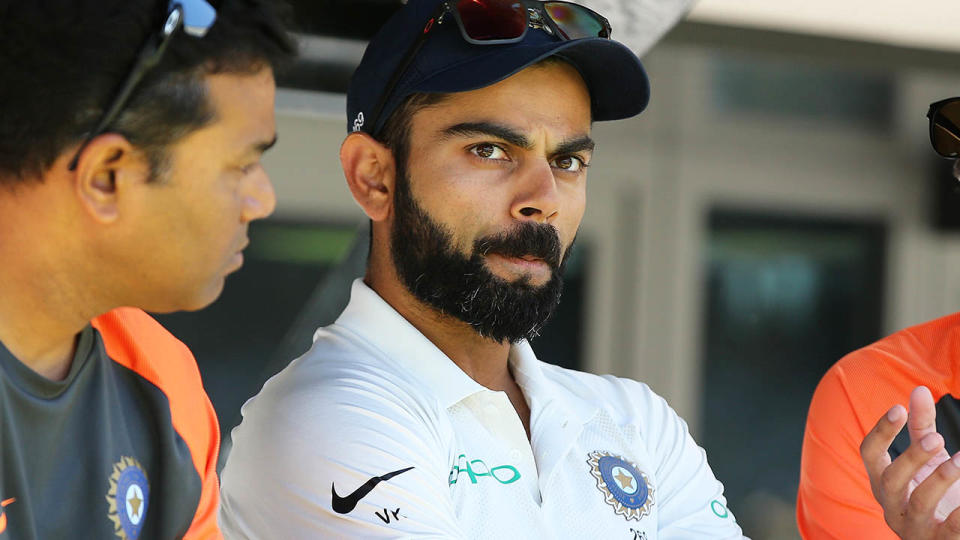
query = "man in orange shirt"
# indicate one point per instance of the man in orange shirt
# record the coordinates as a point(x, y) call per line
point(131, 135)
point(850, 486)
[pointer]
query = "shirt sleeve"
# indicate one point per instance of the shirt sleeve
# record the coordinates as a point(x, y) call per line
point(133, 339)
point(834, 500)
point(691, 499)
point(353, 441)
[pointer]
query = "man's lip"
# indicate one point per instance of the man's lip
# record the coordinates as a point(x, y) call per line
point(524, 260)
point(530, 258)
point(237, 259)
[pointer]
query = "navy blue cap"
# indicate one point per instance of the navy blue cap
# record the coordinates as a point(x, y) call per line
point(447, 63)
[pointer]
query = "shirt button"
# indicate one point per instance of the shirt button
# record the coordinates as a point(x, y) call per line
point(564, 424)
point(515, 455)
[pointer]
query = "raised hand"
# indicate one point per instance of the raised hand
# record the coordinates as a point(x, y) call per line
point(918, 490)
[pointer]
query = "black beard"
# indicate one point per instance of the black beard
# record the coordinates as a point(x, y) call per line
point(434, 272)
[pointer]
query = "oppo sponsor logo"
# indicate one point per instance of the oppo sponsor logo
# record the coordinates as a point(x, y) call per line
point(476, 469)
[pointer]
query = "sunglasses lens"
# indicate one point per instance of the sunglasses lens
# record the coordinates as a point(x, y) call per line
point(490, 20)
point(575, 21)
point(945, 129)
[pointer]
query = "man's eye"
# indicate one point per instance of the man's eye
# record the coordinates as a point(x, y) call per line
point(489, 151)
point(569, 163)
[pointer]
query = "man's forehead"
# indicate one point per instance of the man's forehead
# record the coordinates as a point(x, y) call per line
point(243, 106)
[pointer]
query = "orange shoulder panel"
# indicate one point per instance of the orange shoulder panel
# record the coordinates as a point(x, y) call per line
point(834, 500)
point(135, 340)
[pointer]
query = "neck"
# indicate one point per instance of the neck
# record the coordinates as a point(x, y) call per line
point(36, 324)
point(482, 359)
point(40, 308)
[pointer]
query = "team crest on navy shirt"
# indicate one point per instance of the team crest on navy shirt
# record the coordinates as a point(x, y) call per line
point(128, 497)
point(624, 487)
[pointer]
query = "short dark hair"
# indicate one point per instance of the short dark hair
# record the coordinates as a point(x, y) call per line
point(62, 61)
point(395, 133)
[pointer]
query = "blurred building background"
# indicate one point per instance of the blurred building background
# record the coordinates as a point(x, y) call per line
point(776, 207)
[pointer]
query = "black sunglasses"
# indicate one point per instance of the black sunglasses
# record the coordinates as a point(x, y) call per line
point(945, 127)
point(498, 22)
point(195, 17)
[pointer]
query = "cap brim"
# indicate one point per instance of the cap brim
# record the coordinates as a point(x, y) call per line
point(619, 87)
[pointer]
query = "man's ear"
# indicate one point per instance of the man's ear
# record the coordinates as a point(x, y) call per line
point(108, 167)
point(370, 169)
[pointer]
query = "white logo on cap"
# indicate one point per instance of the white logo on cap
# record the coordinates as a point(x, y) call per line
point(358, 123)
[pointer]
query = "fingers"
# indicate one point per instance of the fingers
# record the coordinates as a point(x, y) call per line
point(950, 528)
point(873, 449)
point(927, 495)
point(920, 487)
point(923, 414)
point(895, 480)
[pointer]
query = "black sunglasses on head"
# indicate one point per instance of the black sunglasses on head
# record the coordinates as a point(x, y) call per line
point(945, 127)
point(195, 17)
point(499, 22)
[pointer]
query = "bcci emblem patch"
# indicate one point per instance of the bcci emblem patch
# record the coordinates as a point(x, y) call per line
point(624, 487)
point(128, 497)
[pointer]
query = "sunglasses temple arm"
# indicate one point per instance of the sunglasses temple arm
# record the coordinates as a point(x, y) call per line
point(147, 58)
point(395, 78)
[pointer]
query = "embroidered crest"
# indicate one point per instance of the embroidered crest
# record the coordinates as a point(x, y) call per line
point(624, 487)
point(128, 497)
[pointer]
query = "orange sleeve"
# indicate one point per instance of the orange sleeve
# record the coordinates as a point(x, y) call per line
point(135, 340)
point(834, 500)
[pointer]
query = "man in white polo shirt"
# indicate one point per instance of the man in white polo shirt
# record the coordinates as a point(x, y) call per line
point(423, 411)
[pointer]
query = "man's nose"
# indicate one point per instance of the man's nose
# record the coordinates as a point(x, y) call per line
point(537, 196)
point(260, 199)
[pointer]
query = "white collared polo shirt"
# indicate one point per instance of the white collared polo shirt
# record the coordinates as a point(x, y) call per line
point(375, 433)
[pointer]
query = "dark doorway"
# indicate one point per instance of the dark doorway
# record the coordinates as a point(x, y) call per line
point(786, 297)
point(235, 339)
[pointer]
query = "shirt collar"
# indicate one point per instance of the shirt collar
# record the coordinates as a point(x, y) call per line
point(88, 343)
point(376, 322)
point(371, 318)
point(542, 392)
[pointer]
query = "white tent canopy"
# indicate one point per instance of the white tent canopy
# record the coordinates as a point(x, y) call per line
point(922, 24)
point(640, 23)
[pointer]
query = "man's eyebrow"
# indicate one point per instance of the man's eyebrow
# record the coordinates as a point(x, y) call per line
point(500, 131)
point(575, 145)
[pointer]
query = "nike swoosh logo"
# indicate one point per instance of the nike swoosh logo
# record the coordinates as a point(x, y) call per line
point(345, 505)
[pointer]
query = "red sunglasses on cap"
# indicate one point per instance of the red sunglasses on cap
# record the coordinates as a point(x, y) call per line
point(491, 22)
point(496, 22)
